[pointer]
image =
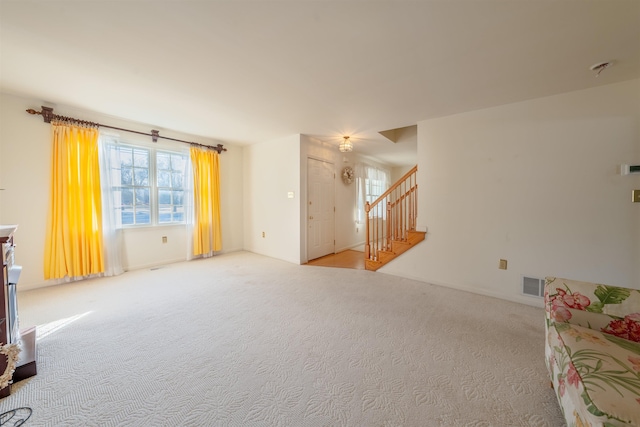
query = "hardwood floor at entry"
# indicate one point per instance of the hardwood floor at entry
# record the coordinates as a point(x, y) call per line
point(346, 259)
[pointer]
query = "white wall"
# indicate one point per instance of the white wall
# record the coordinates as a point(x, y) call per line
point(534, 183)
point(25, 161)
point(348, 233)
point(398, 172)
point(271, 171)
point(25, 144)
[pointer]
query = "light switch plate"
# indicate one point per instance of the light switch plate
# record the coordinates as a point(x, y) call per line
point(635, 196)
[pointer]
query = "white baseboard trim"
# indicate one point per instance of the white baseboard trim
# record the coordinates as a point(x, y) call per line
point(346, 248)
point(534, 302)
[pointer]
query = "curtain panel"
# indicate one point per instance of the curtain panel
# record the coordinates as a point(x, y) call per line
point(73, 243)
point(111, 236)
point(207, 230)
point(371, 182)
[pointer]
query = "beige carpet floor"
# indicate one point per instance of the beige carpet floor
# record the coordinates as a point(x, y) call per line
point(245, 340)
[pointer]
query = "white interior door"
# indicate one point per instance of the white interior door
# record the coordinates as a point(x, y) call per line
point(320, 209)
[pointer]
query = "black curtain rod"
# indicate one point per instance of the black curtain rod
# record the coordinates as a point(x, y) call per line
point(47, 116)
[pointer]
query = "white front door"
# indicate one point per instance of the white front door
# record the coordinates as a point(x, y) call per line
point(320, 209)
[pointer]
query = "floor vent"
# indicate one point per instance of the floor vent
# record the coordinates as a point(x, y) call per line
point(533, 286)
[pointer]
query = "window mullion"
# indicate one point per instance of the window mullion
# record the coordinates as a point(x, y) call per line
point(153, 187)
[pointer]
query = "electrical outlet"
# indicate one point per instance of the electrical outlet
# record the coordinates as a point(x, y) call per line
point(502, 265)
point(263, 235)
point(164, 239)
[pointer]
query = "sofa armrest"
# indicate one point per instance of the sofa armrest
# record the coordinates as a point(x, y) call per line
point(591, 305)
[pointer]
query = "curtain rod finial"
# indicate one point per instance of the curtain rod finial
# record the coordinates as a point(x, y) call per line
point(46, 113)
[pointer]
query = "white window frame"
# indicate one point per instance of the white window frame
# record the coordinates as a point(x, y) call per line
point(170, 188)
point(152, 185)
point(366, 175)
point(374, 184)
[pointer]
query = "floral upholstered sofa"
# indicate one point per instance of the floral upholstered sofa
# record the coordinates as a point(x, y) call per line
point(593, 351)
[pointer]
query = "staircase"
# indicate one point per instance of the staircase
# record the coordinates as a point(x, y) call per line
point(391, 222)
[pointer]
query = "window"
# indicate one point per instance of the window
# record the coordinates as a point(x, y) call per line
point(170, 185)
point(371, 183)
point(147, 185)
point(374, 189)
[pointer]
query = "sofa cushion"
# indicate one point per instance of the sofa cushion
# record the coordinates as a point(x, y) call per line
point(605, 367)
point(564, 297)
point(627, 328)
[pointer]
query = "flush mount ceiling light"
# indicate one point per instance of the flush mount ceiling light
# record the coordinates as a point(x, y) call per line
point(600, 66)
point(345, 145)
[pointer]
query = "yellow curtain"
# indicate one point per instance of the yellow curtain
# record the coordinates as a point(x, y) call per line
point(73, 244)
point(207, 234)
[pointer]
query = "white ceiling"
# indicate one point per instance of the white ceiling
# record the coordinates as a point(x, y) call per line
point(248, 72)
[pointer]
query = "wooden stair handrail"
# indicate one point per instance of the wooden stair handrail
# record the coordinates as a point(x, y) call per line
point(394, 222)
point(402, 196)
point(393, 187)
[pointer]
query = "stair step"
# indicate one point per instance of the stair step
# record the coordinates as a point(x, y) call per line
point(372, 265)
point(415, 236)
point(398, 247)
point(386, 256)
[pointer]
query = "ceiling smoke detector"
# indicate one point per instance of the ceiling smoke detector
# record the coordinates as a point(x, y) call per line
point(600, 66)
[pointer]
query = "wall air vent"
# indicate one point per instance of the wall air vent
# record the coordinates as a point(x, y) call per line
point(533, 286)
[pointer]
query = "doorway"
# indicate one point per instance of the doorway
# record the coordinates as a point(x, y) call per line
point(320, 208)
point(346, 259)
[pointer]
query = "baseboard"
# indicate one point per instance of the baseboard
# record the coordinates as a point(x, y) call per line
point(228, 251)
point(534, 302)
point(39, 285)
point(292, 261)
point(352, 247)
point(154, 264)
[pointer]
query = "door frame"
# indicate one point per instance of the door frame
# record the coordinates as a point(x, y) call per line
point(306, 209)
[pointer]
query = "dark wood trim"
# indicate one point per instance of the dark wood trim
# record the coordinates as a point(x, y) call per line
point(26, 366)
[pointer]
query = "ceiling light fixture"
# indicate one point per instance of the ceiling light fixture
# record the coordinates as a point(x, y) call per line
point(599, 67)
point(345, 145)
